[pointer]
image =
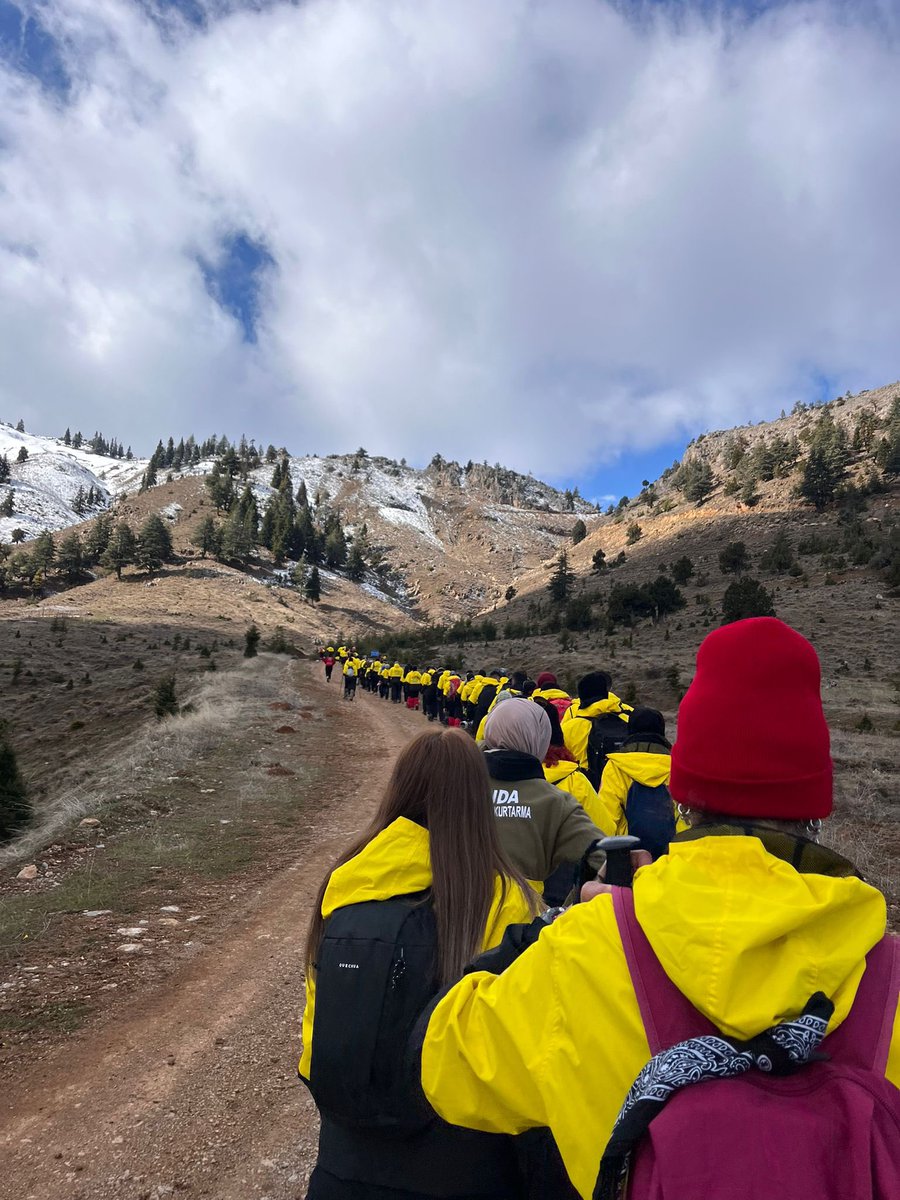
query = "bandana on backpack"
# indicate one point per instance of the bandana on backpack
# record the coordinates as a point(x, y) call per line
point(781, 1050)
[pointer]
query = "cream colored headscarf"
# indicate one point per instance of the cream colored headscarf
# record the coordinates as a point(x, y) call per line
point(517, 724)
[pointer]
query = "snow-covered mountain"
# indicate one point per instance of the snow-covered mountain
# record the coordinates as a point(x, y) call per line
point(46, 484)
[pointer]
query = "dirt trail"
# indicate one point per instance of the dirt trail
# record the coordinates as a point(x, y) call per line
point(192, 1090)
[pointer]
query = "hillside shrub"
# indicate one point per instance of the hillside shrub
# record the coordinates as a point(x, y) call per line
point(734, 558)
point(15, 808)
point(746, 597)
point(251, 642)
point(165, 700)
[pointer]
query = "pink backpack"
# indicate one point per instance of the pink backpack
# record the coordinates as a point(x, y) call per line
point(562, 704)
point(830, 1131)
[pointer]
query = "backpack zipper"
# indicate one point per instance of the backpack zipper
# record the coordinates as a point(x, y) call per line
point(398, 970)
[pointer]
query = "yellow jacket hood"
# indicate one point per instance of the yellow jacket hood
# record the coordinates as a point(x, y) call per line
point(643, 767)
point(747, 938)
point(612, 704)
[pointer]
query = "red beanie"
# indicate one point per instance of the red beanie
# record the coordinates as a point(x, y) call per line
point(546, 679)
point(752, 738)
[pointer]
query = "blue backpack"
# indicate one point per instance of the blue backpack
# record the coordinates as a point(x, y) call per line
point(650, 816)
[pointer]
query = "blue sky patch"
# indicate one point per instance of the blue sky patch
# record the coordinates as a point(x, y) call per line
point(234, 280)
point(27, 47)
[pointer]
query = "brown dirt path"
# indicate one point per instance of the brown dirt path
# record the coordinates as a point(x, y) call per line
point(192, 1089)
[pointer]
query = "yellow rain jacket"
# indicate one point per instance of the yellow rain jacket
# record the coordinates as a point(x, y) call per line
point(412, 677)
point(621, 771)
point(577, 729)
point(396, 862)
point(396, 671)
point(466, 688)
point(557, 1039)
point(444, 681)
point(567, 776)
point(427, 677)
point(553, 693)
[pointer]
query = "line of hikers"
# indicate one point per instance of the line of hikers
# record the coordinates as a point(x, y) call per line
point(507, 998)
point(610, 757)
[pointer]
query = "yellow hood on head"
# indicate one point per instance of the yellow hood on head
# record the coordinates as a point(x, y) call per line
point(748, 939)
point(652, 769)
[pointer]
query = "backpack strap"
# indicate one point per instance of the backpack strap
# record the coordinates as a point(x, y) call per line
point(864, 1037)
point(668, 1016)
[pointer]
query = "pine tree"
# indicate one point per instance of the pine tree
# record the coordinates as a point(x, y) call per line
point(7, 508)
point(562, 581)
point(734, 558)
point(579, 532)
point(4, 468)
point(314, 586)
point(682, 569)
point(780, 555)
point(165, 700)
point(121, 550)
point(70, 557)
point(97, 539)
point(148, 479)
point(43, 552)
point(335, 546)
point(299, 574)
point(207, 537)
point(746, 597)
point(356, 564)
point(15, 808)
point(598, 562)
point(78, 504)
point(634, 534)
point(20, 425)
point(22, 456)
point(698, 480)
point(67, 436)
point(251, 642)
point(826, 465)
point(237, 537)
point(154, 544)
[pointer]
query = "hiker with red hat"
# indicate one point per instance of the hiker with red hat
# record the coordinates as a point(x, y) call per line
point(727, 1027)
point(547, 688)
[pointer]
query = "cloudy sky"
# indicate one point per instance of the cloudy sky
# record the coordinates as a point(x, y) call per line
point(562, 234)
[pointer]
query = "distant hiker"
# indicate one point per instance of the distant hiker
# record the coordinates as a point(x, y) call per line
point(634, 788)
point(350, 676)
point(384, 682)
point(595, 724)
point(746, 929)
point(329, 666)
point(405, 908)
point(540, 826)
point(429, 693)
point(549, 689)
point(395, 676)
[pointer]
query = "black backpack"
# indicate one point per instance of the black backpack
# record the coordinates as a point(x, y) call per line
point(376, 972)
point(650, 816)
point(607, 736)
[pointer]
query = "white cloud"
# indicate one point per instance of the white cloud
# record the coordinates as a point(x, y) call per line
point(533, 232)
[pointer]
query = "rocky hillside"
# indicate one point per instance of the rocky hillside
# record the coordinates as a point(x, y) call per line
point(451, 537)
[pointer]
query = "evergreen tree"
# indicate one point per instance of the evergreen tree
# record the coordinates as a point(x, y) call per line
point(154, 544)
point(314, 586)
point(635, 533)
point(165, 700)
point(356, 564)
point(43, 553)
point(70, 557)
point(682, 569)
point(302, 497)
point(77, 440)
point(17, 535)
point(746, 597)
point(251, 642)
point(299, 574)
point(78, 504)
point(598, 562)
point(826, 465)
point(22, 456)
point(246, 506)
point(562, 581)
point(579, 532)
point(889, 450)
point(207, 537)
point(237, 537)
point(67, 436)
point(98, 538)
point(121, 550)
point(780, 555)
point(148, 479)
point(20, 425)
point(220, 486)
point(7, 508)
point(734, 558)
point(695, 478)
point(335, 546)
point(4, 468)
point(15, 808)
